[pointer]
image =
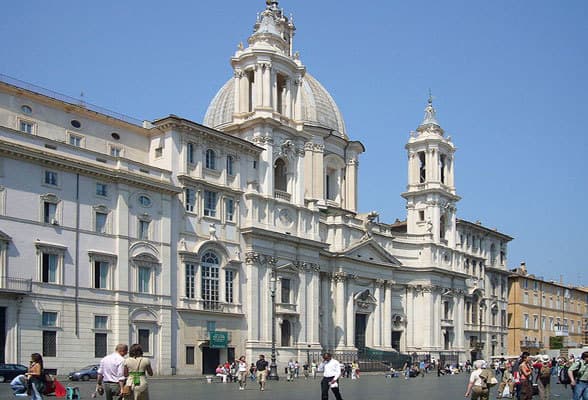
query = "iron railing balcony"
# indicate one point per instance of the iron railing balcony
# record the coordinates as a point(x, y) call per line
point(15, 285)
point(531, 344)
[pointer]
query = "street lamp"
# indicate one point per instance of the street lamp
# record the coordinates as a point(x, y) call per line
point(273, 373)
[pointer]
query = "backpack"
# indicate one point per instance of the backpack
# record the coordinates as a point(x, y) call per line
point(545, 372)
point(564, 379)
point(488, 378)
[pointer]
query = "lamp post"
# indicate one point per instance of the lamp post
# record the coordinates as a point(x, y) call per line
point(273, 372)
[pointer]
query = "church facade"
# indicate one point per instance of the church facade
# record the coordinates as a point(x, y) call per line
point(196, 240)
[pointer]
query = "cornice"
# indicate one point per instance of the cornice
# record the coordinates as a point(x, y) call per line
point(203, 182)
point(184, 125)
point(38, 156)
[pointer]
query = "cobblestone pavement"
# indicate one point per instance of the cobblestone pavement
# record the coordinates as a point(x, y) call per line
point(373, 386)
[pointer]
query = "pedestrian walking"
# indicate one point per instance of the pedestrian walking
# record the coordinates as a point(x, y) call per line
point(136, 367)
point(242, 372)
point(111, 375)
point(313, 368)
point(526, 377)
point(331, 369)
point(476, 386)
point(261, 367)
point(579, 379)
point(35, 376)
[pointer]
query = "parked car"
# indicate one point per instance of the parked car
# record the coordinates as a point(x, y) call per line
point(10, 371)
point(84, 374)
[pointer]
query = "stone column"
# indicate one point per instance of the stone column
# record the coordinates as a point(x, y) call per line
point(238, 76)
point(258, 83)
point(326, 332)
point(298, 103)
point(387, 316)
point(288, 99)
point(378, 312)
point(350, 200)
point(252, 296)
point(340, 309)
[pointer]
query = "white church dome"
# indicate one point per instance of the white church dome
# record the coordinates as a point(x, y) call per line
point(318, 107)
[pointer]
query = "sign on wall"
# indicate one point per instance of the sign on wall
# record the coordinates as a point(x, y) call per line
point(219, 340)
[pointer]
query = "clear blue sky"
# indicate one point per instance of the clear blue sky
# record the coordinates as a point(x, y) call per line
point(508, 77)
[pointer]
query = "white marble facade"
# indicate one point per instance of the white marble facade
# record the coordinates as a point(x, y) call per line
point(113, 230)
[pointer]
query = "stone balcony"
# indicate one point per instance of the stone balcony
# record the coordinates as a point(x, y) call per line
point(286, 308)
point(15, 285)
point(531, 344)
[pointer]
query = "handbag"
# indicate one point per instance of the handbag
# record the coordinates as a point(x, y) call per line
point(126, 391)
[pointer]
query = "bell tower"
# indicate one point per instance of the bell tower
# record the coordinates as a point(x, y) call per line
point(430, 196)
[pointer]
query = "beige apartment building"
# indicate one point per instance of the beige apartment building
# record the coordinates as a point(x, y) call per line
point(544, 315)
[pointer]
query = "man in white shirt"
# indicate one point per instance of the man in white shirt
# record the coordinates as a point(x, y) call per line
point(111, 372)
point(331, 372)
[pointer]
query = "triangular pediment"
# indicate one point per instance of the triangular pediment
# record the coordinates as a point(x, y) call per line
point(369, 251)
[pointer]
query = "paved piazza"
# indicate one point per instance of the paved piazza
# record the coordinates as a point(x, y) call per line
point(368, 387)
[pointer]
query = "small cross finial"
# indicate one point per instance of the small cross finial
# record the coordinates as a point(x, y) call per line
point(430, 96)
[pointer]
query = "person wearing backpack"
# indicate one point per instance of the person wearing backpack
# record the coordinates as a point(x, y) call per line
point(543, 378)
point(578, 374)
point(477, 387)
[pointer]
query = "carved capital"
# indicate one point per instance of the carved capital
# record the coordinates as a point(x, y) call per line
point(380, 283)
point(252, 257)
point(339, 276)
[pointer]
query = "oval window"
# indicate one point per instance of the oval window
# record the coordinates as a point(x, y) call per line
point(144, 201)
point(115, 136)
point(75, 123)
point(26, 109)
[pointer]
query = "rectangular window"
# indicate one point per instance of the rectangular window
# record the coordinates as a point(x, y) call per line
point(190, 281)
point(229, 209)
point(535, 300)
point(229, 277)
point(144, 339)
point(75, 140)
point(143, 230)
point(526, 321)
point(51, 178)
point(190, 153)
point(100, 322)
point(49, 212)
point(101, 189)
point(101, 222)
point(144, 280)
point(525, 284)
point(158, 152)
point(49, 344)
point(49, 268)
point(190, 199)
point(26, 126)
point(49, 319)
point(115, 151)
point(230, 166)
point(210, 285)
point(189, 355)
point(422, 217)
point(551, 323)
point(285, 292)
point(101, 275)
point(535, 322)
point(210, 203)
point(526, 298)
point(100, 344)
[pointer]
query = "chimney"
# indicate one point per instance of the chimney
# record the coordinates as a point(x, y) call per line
point(523, 268)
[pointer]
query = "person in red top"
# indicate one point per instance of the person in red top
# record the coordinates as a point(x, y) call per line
point(526, 376)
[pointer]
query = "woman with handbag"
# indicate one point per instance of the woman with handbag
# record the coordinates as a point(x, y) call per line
point(135, 368)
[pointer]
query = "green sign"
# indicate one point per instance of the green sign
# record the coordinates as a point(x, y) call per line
point(219, 340)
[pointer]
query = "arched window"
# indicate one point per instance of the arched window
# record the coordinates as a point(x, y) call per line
point(280, 178)
point(422, 167)
point(286, 333)
point(210, 280)
point(442, 164)
point(442, 227)
point(210, 159)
